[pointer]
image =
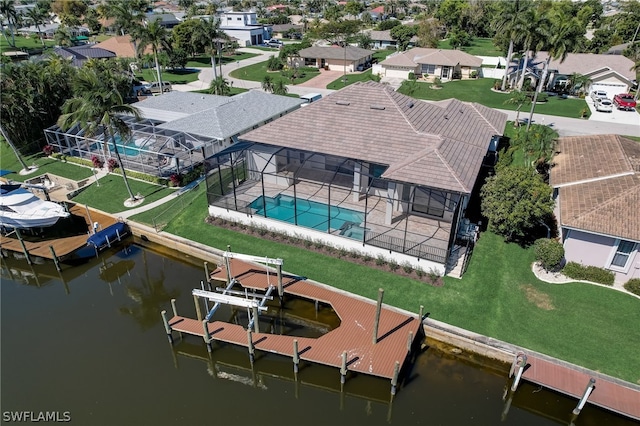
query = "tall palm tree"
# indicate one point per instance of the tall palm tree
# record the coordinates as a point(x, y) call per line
point(36, 17)
point(208, 33)
point(8, 10)
point(510, 20)
point(156, 36)
point(534, 35)
point(220, 86)
point(98, 107)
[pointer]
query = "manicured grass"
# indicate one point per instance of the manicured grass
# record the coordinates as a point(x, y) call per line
point(478, 47)
point(379, 55)
point(45, 165)
point(257, 72)
point(111, 194)
point(174, 76)
point(23, 43)
point(204, 61)
point(479, 90)
point(499, 296)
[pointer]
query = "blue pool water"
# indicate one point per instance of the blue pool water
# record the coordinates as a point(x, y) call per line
point(122, 148)
point(311, 214)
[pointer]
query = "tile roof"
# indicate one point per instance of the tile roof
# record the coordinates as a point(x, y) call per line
point(586, 63)
point(335, 52)
point(421, 55)
point(80, 54)
point(599, 181)
point(386, 36)
point(440, 145)
point(122, 46)
point(214, 116)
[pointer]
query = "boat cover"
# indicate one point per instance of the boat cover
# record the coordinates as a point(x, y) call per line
point(110, 234)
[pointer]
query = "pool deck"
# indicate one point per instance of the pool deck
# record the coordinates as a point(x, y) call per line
point(397, 331)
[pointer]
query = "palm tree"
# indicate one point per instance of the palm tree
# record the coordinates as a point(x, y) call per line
point(8, 10)
point(220, 86)
point(267, 84)
point(97, 106)
point(533, 37)
point(519, 98)
point(209, 34)
point(157, 36)
point(510, 21)
point(280, 88)
point(13, 147)
point(36, 17)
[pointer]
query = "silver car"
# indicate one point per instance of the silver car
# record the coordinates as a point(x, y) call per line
point(604, 105)
point(597, 94)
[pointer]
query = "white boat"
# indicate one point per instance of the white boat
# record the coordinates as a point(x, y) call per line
point(20, 208)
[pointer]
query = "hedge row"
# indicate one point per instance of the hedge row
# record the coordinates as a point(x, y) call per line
point(588, 273)
point(633, 286)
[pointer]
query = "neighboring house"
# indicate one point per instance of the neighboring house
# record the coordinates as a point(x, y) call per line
point(596, 181)
point(424, 62)
point(245, 27)
point(383, 40)
point(611, 73)
point(334, 58)
point(122, 46)
point(167, 20)
point(365, 169)
point(81, 54)
point(179, 130)
point(283, 30)
point(617, 49)
point(377, 13)
point(48, 31)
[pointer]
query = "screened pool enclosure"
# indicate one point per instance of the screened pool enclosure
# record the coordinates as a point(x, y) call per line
point(342, 197)
point(149, 149)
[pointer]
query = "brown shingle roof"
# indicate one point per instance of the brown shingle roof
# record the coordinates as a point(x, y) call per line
point(422, 143)
point(599, 180)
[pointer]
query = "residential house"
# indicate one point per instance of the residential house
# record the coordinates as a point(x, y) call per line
point(178, 130)
point(283, 30)
point(596, 181)
point(244, 26)
point(610, 73)
point(365, 169)
point(383, 40)
point(122, 46)
point(335, 58)
point(425, 62)
point(78, 55)
point(377, 13)
point(167, 20)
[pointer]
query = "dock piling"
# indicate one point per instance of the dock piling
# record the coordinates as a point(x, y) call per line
point(55, 258)
point(207, 335)
point(24, 248)
point(421, 313)
point(409, 341)
point(585, 396)
point(343, 368)
point(228, 264)
point(521, 365)
point(280, 285)
point(198, 309)
point(174, 308)
point(256, 321)
point(167, 327)
point(250, 345)
point(296, 356)
point(394, 380)
point(377, 319)
point(207, 274)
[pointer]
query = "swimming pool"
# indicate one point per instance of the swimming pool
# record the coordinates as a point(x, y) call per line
point(122, 148)
point(311, 214)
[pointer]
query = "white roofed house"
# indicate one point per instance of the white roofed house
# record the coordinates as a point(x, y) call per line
point(178, 130)
point(245, 27)
point(431, 63)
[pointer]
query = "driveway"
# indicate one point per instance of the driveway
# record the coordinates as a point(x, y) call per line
point(616, 116)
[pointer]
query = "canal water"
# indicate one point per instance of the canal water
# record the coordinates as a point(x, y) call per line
point(89, 344)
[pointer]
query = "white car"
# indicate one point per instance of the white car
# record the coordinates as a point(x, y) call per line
point(604, 105)
point(597, 94)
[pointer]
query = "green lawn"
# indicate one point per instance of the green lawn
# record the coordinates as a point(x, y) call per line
point(204, 61)
point(499, 296)
point(478, 47)
point(23, 43)
point(45, 165)
point(174, 76)
point(379, 55)
point(479, 90)
point(111, 194)
point(257, 72)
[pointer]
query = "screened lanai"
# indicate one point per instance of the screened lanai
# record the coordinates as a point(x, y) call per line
point(149, 149)
point(344, 197)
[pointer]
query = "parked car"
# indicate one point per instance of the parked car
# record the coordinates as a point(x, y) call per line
point(155, 87)
point(273, 43)
point(624, 101)
point(140, 88)
point(598, 94)
point(604, 105)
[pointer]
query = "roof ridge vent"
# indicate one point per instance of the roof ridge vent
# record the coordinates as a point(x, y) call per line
point(378, 107)
point(343, 103)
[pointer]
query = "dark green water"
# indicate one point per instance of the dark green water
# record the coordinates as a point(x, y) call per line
point(91, 343)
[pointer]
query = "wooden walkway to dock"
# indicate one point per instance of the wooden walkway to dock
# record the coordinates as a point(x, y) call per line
point(62, 246)
point(564, 378)
point(396, 333)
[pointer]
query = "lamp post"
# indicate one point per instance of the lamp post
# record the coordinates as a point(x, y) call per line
point(95, 175)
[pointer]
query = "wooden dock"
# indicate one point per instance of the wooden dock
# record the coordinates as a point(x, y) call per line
point(396, 332)
point(559, 376)
point(63, 246)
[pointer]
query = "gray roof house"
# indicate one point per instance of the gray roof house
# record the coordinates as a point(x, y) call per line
point(596, 181)
point(179, 130)
point(364, 167)
point(81, 54)
point(335, 58)
point(442, 63)
point(383, 40)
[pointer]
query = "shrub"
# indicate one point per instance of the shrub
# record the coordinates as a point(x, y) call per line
point(412, 76)
point(548, 252)
point(97, 162)
point(175, 180)
point(380, 260)
point(633, 286)
point(47, 149)
point(406, 267)
point(474, 74)
point(74, 160)
point(142, 176)
point(112, 164)
point(419, 272)
point(588, 273)
point(393, 265)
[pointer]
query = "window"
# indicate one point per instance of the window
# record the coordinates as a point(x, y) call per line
point(622, 254)
point(428, 69)
point(429, 202)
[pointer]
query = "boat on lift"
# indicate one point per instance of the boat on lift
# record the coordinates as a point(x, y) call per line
point(20, 208)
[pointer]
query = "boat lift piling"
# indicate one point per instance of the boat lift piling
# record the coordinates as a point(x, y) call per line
point(55, 258)
point(377, 319)
point(24, 248)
